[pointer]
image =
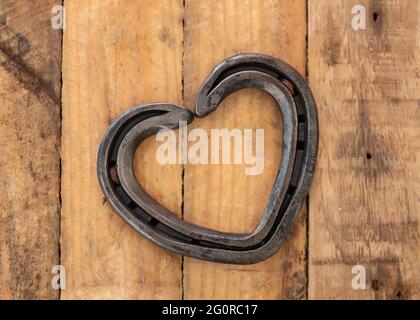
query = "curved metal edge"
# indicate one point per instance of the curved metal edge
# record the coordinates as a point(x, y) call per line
point(204, 107)
point(237, 257)
point(230, 84)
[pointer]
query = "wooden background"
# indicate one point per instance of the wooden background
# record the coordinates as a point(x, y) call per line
point(59, 90)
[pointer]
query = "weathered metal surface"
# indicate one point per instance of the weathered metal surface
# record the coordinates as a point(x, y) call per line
point(300, 141)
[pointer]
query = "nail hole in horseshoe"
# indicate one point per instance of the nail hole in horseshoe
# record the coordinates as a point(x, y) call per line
point(113, 174)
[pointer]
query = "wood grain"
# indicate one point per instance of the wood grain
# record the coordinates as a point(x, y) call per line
point(30, 59)
point(364, 202)
point(117, 54)
point(222, 196)
point(364, 205)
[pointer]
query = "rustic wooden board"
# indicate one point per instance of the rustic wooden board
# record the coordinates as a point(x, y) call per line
point(222, 196)
point(30, 59)
point(364, 205)
point(364, 202)
point(117, 54)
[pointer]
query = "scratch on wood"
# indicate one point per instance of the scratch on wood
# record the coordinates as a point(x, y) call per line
point(18, 53)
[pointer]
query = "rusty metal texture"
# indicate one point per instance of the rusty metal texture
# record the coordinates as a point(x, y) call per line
point(300, 141)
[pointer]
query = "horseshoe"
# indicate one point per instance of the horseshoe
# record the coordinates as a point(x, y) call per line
point(300, 141)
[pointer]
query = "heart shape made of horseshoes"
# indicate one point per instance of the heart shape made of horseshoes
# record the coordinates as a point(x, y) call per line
point(300, 143)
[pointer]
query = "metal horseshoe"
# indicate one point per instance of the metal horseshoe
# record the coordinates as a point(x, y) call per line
point(300, 141)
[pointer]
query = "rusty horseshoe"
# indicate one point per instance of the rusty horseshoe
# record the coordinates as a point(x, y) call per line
point(300, 142)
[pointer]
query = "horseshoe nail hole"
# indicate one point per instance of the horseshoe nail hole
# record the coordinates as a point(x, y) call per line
point(114, 175)
point(132, 205)
point(301, 118)
point(289, 86)
point(291, 189)
point(399, 294)
point(153, 222)
point(368, 156)
point(375, 16)
point(300, 145)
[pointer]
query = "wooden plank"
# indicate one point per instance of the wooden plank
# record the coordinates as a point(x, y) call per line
point(117, 54)
point(364, 205)
point(222, 196)
point(30, 59)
